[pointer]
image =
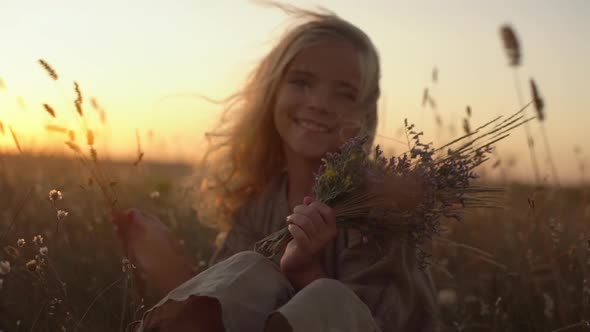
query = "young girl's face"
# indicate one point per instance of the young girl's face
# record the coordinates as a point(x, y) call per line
point(316, 106)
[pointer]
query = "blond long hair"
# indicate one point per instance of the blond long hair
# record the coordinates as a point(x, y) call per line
point(242, 154)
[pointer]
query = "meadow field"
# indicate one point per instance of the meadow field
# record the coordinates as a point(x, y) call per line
point(523, 267)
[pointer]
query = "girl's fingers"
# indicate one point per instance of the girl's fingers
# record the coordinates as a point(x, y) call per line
point(309, 212)
point(305, 223)
point(325, 212)
point(299, 236)
point(307, 200)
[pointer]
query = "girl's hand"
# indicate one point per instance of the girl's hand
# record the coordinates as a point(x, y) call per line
point(151, 248)
point(313, 226)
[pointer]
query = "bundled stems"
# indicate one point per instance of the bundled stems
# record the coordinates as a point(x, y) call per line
point(406, 196)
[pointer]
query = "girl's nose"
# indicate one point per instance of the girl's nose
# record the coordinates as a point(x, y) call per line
point(317, 100)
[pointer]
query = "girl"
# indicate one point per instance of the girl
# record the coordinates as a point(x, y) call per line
point(318, 87)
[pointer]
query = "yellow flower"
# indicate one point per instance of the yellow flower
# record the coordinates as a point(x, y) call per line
point(348, 180)
point(330, 173)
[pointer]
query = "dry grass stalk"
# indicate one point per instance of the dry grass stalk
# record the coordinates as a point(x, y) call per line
point(101, 113)
point(49, 69)
point(92, 164)
point(73, 146)
point(78, 92)
point(90, 137)
point(139, 152)
point(466, 125)
point(78, 101)
point(539, 104)
point(100, 178)
point(514, 53)
point(2, 128)
point(15, 138)
point(56, 128)
point(2, 85)
point(79, 109)
point(90, 141)
point(428, 100)
point(425, 97)
point(49, 110)
point(537, 101)
point(511, 45)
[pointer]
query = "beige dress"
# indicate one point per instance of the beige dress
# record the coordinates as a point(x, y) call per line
point(364, 291)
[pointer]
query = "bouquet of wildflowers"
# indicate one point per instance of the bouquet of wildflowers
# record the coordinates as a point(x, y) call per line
point(408, 195)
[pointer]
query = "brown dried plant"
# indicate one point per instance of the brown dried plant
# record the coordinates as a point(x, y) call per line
point(539, 105)
point(49, 110)
point(15, 139)
point(78, 101)
point(514, 54)
point(511, 45)
point(49, 69)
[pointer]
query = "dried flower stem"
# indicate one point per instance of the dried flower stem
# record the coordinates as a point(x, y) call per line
point(549, 154)
point(15, 139)
point(19, 208)
point(365, 193)
point(529, 137)
point(49, 69)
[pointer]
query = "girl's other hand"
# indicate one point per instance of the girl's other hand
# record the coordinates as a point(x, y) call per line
point(313, 226)
point(159, 263)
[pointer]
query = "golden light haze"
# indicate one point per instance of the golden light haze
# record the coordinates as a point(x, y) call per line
point(141, 59)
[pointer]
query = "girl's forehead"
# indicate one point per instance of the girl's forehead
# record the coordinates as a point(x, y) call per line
point(331, 60)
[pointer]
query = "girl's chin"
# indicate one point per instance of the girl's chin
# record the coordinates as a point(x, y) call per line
point(308, 150)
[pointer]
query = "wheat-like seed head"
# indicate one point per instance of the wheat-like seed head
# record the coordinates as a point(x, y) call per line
point(55, 128)
point(73, 146)
point(511, 45)
point(90, 137)
point(49, 69)
point(538, 101)
point(78, 101)
point(49, 110)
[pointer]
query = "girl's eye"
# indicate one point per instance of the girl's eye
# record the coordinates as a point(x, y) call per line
point(300, 83)
point(348, 96)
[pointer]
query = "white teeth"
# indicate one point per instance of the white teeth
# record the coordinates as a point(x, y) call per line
point(312, 126)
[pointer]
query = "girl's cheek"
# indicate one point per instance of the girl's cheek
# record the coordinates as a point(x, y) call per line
point(349, 126)
point(349, 132)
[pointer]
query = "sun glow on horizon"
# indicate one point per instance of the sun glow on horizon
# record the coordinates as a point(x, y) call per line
point(145, 61)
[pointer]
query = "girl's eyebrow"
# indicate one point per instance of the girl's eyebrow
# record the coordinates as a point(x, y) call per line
point(347, 85)
point(303, 72)
point(310, 74)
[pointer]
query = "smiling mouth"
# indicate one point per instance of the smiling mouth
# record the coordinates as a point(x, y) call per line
point(311, 125)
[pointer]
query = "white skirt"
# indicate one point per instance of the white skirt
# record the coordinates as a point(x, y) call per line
point(256, 297)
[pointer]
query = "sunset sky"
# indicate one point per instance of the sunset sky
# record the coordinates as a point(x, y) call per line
point(141, 60)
